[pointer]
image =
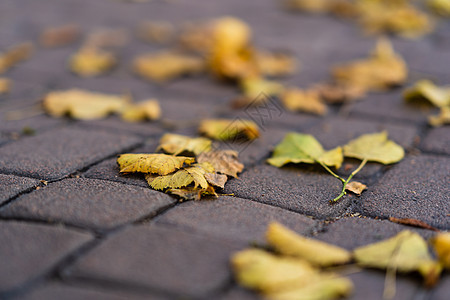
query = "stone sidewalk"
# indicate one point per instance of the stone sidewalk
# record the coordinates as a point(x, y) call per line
point(71, 227)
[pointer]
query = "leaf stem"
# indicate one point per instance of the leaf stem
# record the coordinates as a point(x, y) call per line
point(345, 182)
point(331, 172)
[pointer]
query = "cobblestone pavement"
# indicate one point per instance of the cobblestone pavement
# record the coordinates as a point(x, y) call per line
point(89, 233)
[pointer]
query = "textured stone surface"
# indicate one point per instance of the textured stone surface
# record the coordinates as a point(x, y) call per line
point(11, 186)
point(88, 203)
point(157, 257)
point(415, 188)
point(442, 291)
point(437, 140)
point(25, 251)
point(233, 218)
point(58, 153)
point(298, 189)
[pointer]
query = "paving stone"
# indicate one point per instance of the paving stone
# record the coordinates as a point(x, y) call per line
point(233, 218)
point(160, 258)
point(88, 203)
point(350, 233)
point(301, 189)
point(58, 153)
point(68, 292)
point(390, 107)
point(11, 186)
point(240, 293)
point(437, 140)
point(30, 250)
point(115, 124)
point(415, 188)
point(442, 290)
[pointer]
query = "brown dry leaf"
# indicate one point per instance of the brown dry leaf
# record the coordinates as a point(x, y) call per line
point(176, 144)
point(304, 101)
point(156, 32)
point(145, 110)
point(160, 164)
point(336, 93)
point(83, 105)
point(5, 85)
point(15, 55)
point(275, 64)
point(91, 61)
point(216, 179)
point(59, 36)
point(191, 193)
point(441, 245)
point(382, 70)
point(167, 65)
point(356, 187)
point(286, 278)
point(441, 119)
point(412, 222)
point(405, 252)
point(289, 243)
point(225, 129)
point(223, 161)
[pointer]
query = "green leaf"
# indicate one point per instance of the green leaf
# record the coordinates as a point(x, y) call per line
point(374, 147)
point(304, 148)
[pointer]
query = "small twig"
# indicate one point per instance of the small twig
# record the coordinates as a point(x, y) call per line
point(345, 182)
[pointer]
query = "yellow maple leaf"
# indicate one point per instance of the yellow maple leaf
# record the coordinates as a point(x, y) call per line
point(161, 164)
point(176, 144)
point(304, 100)
point(275, 64)
point(145, 110)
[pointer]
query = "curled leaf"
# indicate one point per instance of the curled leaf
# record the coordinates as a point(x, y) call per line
point(167, 65)
point(145, 110)
point(15, 55)
point(289, 243)
point(223, 161)
point(374, 147)
point(304, 148)
point(161, 164)
point(405, 252)
point(440, 119)
point(176, 144)
point(441, 245)
point(305, 101)
point(356, 187)
point(90, 61)
point(224, 129)
point(426, 90)
point(84, 105)
point(5, 85)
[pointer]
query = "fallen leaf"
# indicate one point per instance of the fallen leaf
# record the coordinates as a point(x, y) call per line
point(289, 243)
point(216, 179)
point(106, 37)
point(309, 6)
point(374, 147)
point(197, 36)
point(405, 252)
point(253, 86)
point(224, 129)
point(285, 277)
point(59, 36)
point(356, 187)
point(5, 85)
point(275, 64)
point(304, 148)
point(90, 61)
point(15, 55)
point(440, 7)
point(191, 193)
point(426, 90)
point(441, 119)
point(382, 70)
point(182, 178)
point(84, 105)
point(303, 100)
point(412, 222)
point(166, 65)
point(156, 32)
point(176, 144)
point(160, 164)
point(335, 93)
point(223, 161)
point(145, 110)
point(441, 245)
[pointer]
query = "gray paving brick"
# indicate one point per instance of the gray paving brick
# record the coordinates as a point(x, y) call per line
point(88, 203)
point(351, 233)
point(160, 258)
point(58, 153)
point(29, 251)
point(233, 218)
point(11, 186)
point(437, 140)
point(68, 292)
point(442, 291)
point(115, 124)
point(238, 292)
point(301, 189)
point(415, 188)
